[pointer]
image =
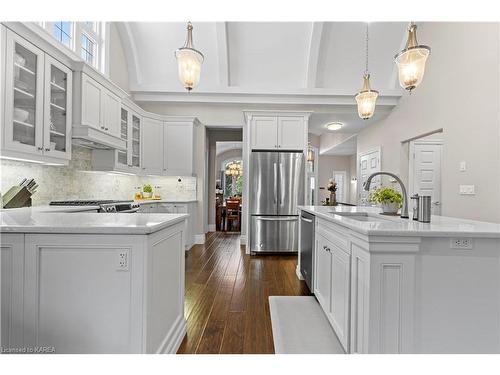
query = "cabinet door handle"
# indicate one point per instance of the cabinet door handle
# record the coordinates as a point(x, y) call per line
point(47, 149)
point(40, 148)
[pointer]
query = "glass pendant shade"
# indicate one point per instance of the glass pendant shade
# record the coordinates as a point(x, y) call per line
point(189, 62)
point(411, 61)
point(366, 99)
point(310, 153)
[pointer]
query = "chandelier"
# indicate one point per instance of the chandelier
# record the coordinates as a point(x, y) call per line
point(234, 169)
point(366, 98)
point(411, 61)
point(189, 61)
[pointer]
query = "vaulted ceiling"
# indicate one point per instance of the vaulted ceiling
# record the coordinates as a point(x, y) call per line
point(316, 64)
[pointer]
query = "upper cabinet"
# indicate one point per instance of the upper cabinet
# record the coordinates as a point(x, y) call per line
point(152, 147)
point(38, 92)
point(97, 111)
point(180, 146)
point(277, 130)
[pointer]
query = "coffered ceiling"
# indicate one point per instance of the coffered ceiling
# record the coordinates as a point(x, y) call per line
point(272, 63)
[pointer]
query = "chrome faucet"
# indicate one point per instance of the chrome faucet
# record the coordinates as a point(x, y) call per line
point(404, 208)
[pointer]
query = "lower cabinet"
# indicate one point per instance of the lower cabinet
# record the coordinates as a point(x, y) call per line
point(332, 286)
point(176, 208)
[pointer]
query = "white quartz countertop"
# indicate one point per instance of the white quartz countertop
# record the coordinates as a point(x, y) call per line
point(146, 201)
point(35, 220)
point(383, 225)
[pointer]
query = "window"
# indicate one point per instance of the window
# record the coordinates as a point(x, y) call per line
point(85, 39)
point(62, 31)
point(88, 49)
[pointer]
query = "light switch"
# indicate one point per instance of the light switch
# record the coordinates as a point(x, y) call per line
point(463, 166)
point(467, 189)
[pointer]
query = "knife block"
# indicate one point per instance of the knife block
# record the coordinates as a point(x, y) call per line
point(17, 196)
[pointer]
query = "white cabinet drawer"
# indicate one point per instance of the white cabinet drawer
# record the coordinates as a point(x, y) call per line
point(334, 233)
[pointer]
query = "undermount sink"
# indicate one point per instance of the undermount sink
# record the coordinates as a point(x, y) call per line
point(359, 216)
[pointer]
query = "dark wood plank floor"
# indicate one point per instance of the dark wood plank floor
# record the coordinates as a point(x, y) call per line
point(227, 308)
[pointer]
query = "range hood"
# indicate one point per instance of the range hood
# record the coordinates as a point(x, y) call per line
point(89, 137)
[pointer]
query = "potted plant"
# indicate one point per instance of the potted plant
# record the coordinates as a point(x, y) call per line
point(389, 199)
point(147, 191)
point(332, 188)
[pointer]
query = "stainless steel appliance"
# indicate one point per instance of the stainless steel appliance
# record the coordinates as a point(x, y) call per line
point(105, 206)
point(276, 189)
point(306, 248)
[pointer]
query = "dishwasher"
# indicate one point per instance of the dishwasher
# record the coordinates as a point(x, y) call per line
point(306, 248)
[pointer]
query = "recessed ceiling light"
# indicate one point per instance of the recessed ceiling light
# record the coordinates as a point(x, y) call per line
point(334, 126)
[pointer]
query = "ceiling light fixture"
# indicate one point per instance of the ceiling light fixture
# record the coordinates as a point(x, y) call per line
point(334, 126)
point(411, 61)
point(189, 61)
point(366, 98)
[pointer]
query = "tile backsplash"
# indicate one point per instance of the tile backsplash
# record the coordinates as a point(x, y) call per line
point(78, 181)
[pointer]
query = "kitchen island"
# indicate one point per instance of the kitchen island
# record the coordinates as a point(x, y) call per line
point(82, 282)
point(392, 285)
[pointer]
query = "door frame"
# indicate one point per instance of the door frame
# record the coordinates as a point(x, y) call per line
point(345, 188)
point(411, 162)
point(358, 167)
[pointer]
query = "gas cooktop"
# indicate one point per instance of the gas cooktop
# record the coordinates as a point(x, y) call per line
point(90, 202)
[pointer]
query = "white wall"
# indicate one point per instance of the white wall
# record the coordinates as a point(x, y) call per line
point(118, 69)
point(460, 93)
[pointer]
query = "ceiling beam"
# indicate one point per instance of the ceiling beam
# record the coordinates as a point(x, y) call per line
point(130, 51)
point(313, 55)
point(222, 53)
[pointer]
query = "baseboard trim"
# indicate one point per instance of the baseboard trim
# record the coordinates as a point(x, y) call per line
point(199, 239)
point(174, 338)
point(298, 273)
point(211, 227)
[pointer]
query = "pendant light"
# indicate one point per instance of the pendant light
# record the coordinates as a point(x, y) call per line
point(310, 152)
point(411, 61)
point(366, 98)
point(189, 61)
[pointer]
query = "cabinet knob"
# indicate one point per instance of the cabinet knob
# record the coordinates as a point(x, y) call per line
point(40, 148)
point(47, 149)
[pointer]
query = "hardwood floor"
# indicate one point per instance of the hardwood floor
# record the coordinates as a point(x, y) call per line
point(227, 308)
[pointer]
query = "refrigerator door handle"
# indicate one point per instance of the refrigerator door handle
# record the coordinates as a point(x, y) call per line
point(277, 218)
point(275, 183)
point(282, 187)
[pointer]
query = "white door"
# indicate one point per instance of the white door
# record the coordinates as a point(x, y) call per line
point(264, 133)
point(24, 74)
point(368, 163)
point(340, 290)
point(57, 115)
point(322, 273)
point(178, 155)
point(291, 133)
point(91, 103)
point(340, 178)
point(111, 107)
point(425, 173)
point(152, 146)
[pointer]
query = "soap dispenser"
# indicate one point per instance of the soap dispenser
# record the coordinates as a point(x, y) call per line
point(416, 206)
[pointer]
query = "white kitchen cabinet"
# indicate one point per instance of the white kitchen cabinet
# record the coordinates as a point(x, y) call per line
point(100, 107)
point(180, 146)
point(323, 273)
point(129, 159)
point(340, 294)
point(11, 292)
point(182, 208)
point(38, 93)
point(264, 133)
point(292, 133)
point(152, 146)
point(277, 130)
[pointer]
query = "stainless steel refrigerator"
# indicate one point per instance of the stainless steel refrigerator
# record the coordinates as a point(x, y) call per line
point(276, 189)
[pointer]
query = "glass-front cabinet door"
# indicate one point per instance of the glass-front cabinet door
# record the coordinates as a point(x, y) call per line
point(136, 141)
point(123, 155)
point(23, 96)
point(57, 109)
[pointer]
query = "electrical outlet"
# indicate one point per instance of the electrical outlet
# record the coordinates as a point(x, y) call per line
point(461, 243)
point(463, 166)
point(467, 189)
point(122, 260)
